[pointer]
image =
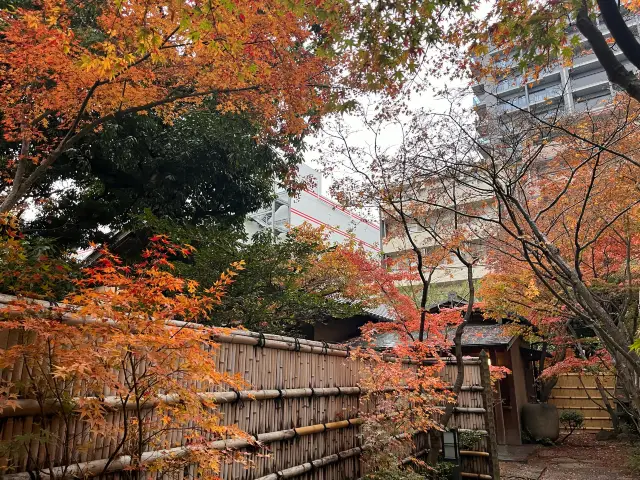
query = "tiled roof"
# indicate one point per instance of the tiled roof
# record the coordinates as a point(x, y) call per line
point(474, 335)
point(484, 335)
point(380, 313)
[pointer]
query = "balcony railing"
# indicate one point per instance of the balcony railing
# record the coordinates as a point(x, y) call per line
point(591, 104)
point(544, 95)
point(513, 104)
point(588, 80)
point(584, 59)
point(509, 84)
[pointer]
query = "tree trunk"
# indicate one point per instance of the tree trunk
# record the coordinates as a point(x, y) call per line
point(616, 72)
point(623, 36)
point(605, 400)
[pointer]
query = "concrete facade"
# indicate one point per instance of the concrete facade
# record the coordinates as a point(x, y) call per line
point(311, 207)
point(564, 89)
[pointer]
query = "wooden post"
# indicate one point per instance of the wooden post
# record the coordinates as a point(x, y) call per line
point(489, 420)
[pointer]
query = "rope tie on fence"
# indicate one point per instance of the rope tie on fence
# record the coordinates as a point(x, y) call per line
point(238, 398)
point(254, 447)
point(297, 345)
point(279, 399)
point(313, 466)
point(279, 474)
point(325, 348)
point(324, 426)
point(261, 340)
point(237, 392)
point(313, 394)
point(339, 392)
point(348, 351)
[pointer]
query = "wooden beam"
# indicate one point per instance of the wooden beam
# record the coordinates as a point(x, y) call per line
point(473, 453)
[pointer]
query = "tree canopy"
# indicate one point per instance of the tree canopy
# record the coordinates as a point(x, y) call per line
point(204, 167)
point(67, 68)
point(286, 284)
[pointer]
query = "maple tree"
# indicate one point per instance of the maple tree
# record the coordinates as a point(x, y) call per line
point(289, 283)
point(429, 240)
point(560, 203)
point(128, 340)
point(77, 349)
point(70, 67)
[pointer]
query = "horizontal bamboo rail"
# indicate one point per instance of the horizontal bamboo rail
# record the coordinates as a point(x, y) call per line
point(473, 453)
point(476, 475)
point(468, 410)
point(28, 407)
point(298, 470)
point(98, 467)
point(470, 430)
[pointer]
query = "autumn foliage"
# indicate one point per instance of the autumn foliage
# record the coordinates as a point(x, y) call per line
point(127, 339)
point(582, 210)
point(67, 68)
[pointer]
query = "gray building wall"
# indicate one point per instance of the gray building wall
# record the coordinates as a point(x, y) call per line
point(559, 89)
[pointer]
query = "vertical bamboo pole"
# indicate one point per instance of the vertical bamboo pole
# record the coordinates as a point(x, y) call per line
point(490, 424)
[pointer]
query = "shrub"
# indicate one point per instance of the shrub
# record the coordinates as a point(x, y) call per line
point(394, 473)
point(571, 420)
point(468, 440)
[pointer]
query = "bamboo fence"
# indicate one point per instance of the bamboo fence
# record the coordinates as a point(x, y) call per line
point(303, 407)
point(578, 392)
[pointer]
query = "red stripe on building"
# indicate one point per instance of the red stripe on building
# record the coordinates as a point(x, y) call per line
point(342, 209)
point(333, 229)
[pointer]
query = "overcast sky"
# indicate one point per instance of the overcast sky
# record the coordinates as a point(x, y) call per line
point(391, 137)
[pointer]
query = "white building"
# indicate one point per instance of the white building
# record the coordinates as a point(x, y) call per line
point(312, 207)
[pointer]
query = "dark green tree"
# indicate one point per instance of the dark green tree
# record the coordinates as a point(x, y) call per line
point(206, 167)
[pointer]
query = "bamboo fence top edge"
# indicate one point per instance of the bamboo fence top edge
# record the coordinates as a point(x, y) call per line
point(227, 335)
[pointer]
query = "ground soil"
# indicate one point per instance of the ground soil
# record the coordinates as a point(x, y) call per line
point(581, 457)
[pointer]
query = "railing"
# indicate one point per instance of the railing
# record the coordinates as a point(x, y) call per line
point(591, 79)
point(591, 103)
point(509, 84)
point(584, 59)
point(513, 104)
point(544, 95)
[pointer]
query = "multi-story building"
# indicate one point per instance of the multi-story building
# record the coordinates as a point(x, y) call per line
point(568, 89)
point(450, 275)
point(559, 90)
point(310, 206)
